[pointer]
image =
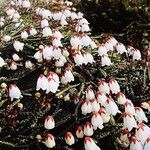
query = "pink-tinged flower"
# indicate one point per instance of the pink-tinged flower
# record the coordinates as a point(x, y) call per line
point(68, 76)
point(38, 56)
point(86, 107)
point(85, 28)
point(32, 31)
point(89, 144)
point(75, 42)
point(89, 93)
point(57, 52)
point(109, 46)
point(129, 107)
point(121, 48)
point(28, 64)
point(103, 87)
point(2, 62)
point(24, 35)
point(14, 92)
point(102, 50)
point(97, 121)
point(135, 144)
point(74, 16)
point(63, 22)
point(111, 107)
point(47, 52)
point(69, 138)
point(44, 23)
point(60, 62)
point(95, 105)
point(85, 40)
point(142, 133)
point(26, 4)
point(88, 58)
point(49, 122)
point(42, 83)
point(88, 129)
point(129, 121)
point(106, 61)
point(79, 132)
point(18, 46)
point(6, 38)
point(93, 45)
point(54, 76)
point(121, 98)
point(10, 11)
point(136, 55)
point(47, 32)
point(78, 58)
point(101, 98)
point(52, 85)
point(147, 144)
point(50, 141)
point(15, 57)
point(114, 86)
point(140, 115)
point(57, 43)
point(113, 41)
point(58, 34)
point(146, 105)
point(124, 136)
point(13, 65)
point(104, 115)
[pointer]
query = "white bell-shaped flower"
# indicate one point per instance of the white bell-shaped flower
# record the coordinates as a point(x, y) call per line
point(129, 121)
point(18, 46)
point(106, 61)
point(42, 83)
point(114, 86)
point(50, 141)
point(79, 132)
point(147, 144)
point(88, 129)
point(69, 138)
point(104, 115)
point(89, 144)
point(14, 92)
point(2, 62)
point(140, 115)
point(121, 98)
point(86, 107)
point(78, 58)
point(135, 144)
point(102, 51)
point(24, 35)
point(49, 122)
point(103, 87)
point(97, 121)
point(101, 98)
point(121, 48)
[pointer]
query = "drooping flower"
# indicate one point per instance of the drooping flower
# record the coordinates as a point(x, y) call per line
point(50, 141)
point(26, 4)
point(102, 50)
point(86, 107)
point(79, 132)
point(129, 107)
point(42, 83)
point(111, 107)
point(103, 87)
point(140, 115)
point(13, 65)
point(68, 76)
point(2, 62)
point(44, 23)
point(88, 129)
point(15, 57)
point(121, 48)
point(69, 138)
point(88, 58)
point(101, 98)
point(106, 61)
point(95, 105)
point(135, 144)
point(89, 93)
point(121, 98)
point(49, 122)
point(104, 115)
point(129, 121)
point(32, 31)
point(147, 144)
point(97, 121)
point(24, 35)
point(14, 92)
point(114, 86)
point(6, 38)
point(28, 64)
point(78, 58)
point(89, 144)
point(136, 54)
point(18, 46)
point(47, 32)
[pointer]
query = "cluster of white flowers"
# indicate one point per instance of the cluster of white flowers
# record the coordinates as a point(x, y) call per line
point(79, 52)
